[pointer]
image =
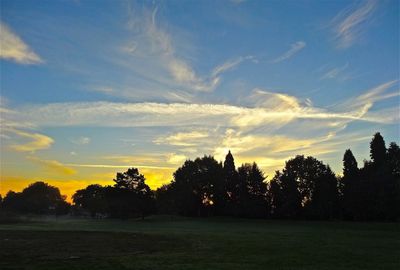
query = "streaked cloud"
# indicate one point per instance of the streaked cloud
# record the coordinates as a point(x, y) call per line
point(37, 141)
point(15, 49)
point(156, 52)
point(237, 2)
point(53, 165)
point(176, 159)
point(183, 138)
point(334, 72)
point(116, 166)
point(268, 108)
point(366, 100)
point(350, 23)
point(81, 140)
point(150, 160)
point(294, 49)
point(271, 151)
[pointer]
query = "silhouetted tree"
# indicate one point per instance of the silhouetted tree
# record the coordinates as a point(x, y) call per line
point(37, 198)
point(13, 201)
point(285, 198)
point(380, 186)
point(198, 187)
point(165, 200)
point(92, 199)
point(252, 196)
point(304, 187)
point(351, 198)
point(231, 185)
point(131, 196)
point(132, 180)
point(378, 149)
point(394, 159)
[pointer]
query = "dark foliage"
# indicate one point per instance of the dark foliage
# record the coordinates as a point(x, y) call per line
point(92, 199)
point(372, 192)
point(306, 188)
point(37, 198)
point(197, 189)
point(350, 186)
point(252, 196)
point(130, 197)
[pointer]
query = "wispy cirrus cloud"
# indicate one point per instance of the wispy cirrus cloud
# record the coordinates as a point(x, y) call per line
point(269, 107)
point(271, 150)
point(37, 141)
point(250, 131)
point(163, 61)
point(20, 134)
point(13, 48)
point(176, 159)
point(53, 165)
point(294, 49)
point(183, 138)
point(334, 72)
point(81, 140)
point(350, 23)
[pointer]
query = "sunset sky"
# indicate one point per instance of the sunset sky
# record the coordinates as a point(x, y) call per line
point(90, 88)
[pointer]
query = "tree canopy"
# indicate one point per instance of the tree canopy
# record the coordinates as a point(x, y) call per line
point(305, 188)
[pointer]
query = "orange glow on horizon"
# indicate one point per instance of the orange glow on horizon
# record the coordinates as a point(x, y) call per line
point(154, 178)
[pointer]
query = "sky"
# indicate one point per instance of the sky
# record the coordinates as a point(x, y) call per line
point(90, 88)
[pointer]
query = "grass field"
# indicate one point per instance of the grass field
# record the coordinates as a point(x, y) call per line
point(179, 243)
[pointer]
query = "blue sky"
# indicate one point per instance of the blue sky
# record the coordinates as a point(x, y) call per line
point(89, 88)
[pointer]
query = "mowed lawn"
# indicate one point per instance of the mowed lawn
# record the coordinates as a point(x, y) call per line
point(180, 243)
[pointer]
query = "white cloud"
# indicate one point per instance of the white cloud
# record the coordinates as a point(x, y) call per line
point(37, 141)
point(270, 108)
point(366, 100)
point(53, 165)
point(294, 48)
point(335, 72)
point(176, 159)
point(81, 140)
point(237, 2)
point(183, 138)
point(349, 24)
point(14, 48)
point(116, 166)
point(161, 59)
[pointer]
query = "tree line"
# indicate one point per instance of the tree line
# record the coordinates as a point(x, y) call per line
point(305, 188)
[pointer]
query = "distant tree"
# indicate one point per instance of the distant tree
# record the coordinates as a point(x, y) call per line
point(393, 156)
point(231, 185)
point(252, 196)
point(378, 149)
point(380, 183)
point(131, 196)
point(165, 200)
point(38, 198)
point(393, 203)
point(325, 198)
point(13, 201)
point(351, 198)
point(132, 180)
point(198, 187)
point(350, 166)
point(92, 199)
point(285, 198)
point(304, 187)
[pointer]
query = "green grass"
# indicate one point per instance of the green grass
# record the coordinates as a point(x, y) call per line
point(180, 243)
